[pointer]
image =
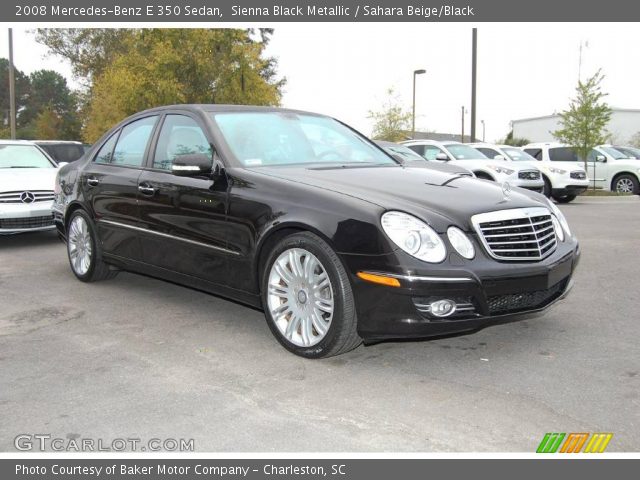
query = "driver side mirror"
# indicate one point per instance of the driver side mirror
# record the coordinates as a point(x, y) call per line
point(601, 159)
point(192, 165)
point(442, 157)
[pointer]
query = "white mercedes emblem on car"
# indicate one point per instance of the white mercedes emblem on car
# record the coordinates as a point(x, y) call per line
point(506, 190)
point(27, 197)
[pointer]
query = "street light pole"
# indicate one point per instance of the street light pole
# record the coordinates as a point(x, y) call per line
point(413, 114)
point(12, 89)
point(474, 61)
point(482, 122)
point(462, 117)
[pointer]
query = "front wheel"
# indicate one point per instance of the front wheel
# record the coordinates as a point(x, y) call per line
point(307, 298)
point(626, 184)
point(82, 249)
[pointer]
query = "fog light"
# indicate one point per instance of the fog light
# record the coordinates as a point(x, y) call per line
point(442, 308)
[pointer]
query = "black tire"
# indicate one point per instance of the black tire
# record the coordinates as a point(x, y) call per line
point(628, 179)
point(546, 189)
point(564, 198)
point(342, 335)
point(98, 270)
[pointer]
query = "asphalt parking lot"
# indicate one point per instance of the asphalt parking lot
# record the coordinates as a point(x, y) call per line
point(138, 357)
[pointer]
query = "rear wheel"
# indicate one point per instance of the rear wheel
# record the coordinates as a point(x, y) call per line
point(307, 298)
point(82, 249)
point(546, 189)
point(626, 184)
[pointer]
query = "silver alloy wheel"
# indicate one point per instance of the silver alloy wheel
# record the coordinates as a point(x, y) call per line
point(300, 297)
point(624, 185)
point(79, 245)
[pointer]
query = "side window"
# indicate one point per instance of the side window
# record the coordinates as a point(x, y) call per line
point(180, 135)
point(105, 154)
point(592, 156)
point(489, 152)
point(562, 154)
point(133, 141)
point(431, 151)
point(419, 149)
point(534, 152)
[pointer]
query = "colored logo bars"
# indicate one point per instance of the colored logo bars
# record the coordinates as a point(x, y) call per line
point(574, 442)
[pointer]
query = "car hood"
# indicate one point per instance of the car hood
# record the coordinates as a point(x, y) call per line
point(22, 179)
point(439, 198)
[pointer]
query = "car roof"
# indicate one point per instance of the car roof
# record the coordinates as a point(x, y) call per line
point(213, 108)
point(431, 142)
point(544, 144)
point(48, 142)
point(16, 142)
point(385, 143)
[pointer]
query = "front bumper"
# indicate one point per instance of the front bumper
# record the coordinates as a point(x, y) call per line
point(568, 190)
point(492, 292)
point(21, 217)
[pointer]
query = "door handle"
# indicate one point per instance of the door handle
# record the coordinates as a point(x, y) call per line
point(146, 189)
point(92, 181)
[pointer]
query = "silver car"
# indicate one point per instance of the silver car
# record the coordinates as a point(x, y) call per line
point(27, 179)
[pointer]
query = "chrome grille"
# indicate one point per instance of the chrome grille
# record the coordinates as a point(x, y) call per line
point(16, 197)
point(578, 175)
point(25, 223)
point(521, 234)
point(529, 175)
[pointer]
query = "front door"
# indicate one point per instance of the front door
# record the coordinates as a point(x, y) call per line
point(184, 218)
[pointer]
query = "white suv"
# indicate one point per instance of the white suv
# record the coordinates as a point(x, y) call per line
point(612, 169)
point(563, 174)
point(468, 157)
point(512, 154)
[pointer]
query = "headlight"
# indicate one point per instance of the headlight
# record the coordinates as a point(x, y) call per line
point(557, 228)
point(414, 236)
point(559, 171)
point(461, 242)
point(560, 216)
point(496, 168)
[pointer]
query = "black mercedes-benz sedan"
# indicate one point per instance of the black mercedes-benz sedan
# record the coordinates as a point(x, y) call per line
point(298, 214)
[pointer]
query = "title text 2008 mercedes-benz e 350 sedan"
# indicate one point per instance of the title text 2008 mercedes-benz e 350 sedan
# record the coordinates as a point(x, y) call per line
point(300, 215)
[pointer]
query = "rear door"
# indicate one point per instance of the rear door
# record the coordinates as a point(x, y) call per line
point(110, 185)
point(184, 218)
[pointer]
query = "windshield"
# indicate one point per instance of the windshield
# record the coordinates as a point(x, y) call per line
point(283, 138)
point(464, 152)
point(406, 153)
point(517, 155)
point(23, 156)
point(633, 152)
point(616, 154)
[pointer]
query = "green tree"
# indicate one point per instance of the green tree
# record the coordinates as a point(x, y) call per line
point(22, 93)
point(391, 122)
point(143, 68)
point(50, 95)
point(514, 141)
point(583, 124)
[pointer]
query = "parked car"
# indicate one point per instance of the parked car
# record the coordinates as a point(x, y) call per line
point(409, 158)
point(62, 151)
point(27, 178)
point(300, 215)
point(468, 157)
point(631, 152)
point(607, 168)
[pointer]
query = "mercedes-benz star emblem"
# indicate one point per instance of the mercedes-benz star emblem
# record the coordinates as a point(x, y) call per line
point(27, 197)
point(506, 190)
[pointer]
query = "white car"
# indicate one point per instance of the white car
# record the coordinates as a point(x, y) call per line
point(510, 154)
point(27, 179)
point(615, 170)
point(468, 157)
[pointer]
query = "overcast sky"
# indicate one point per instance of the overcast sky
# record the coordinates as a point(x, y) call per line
point(344, 70)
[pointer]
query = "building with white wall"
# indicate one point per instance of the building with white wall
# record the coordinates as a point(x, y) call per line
point(624, 124)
